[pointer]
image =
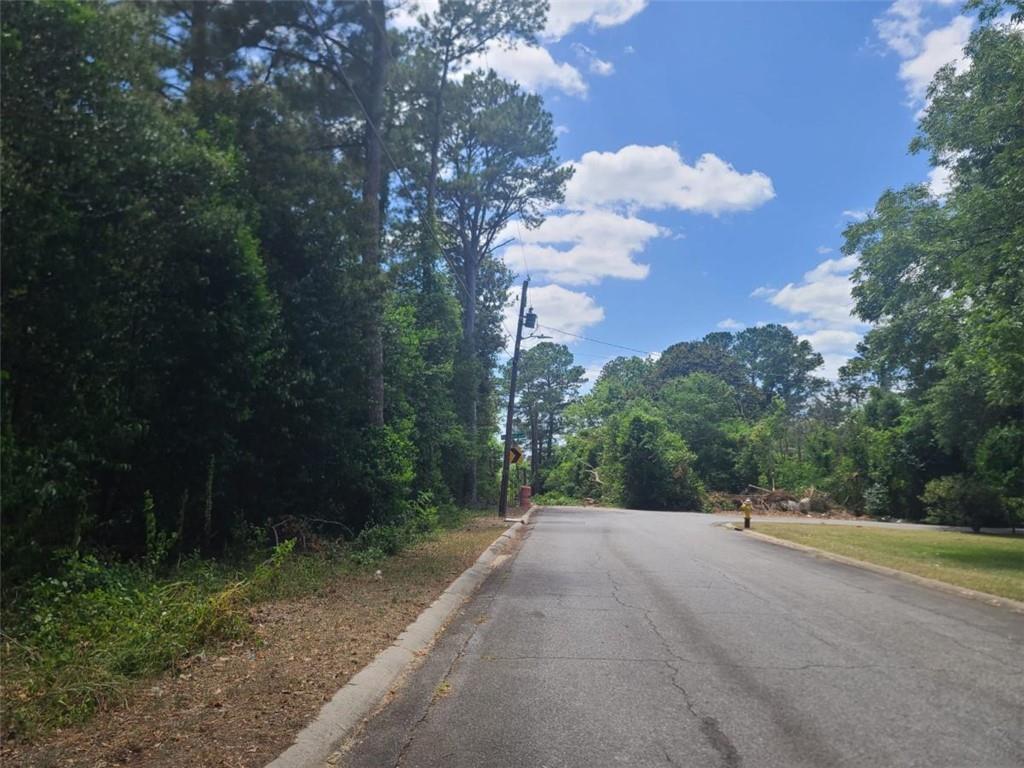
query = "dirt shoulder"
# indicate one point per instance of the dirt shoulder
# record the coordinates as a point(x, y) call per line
point(242, 705)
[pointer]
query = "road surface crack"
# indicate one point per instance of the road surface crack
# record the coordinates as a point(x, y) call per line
point(709, 726)
point(411, 735)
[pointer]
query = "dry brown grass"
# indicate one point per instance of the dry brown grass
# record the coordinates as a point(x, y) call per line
point(241, 705)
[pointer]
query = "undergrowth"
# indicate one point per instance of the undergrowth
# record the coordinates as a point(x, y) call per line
point(74, 642)
point(555, 499)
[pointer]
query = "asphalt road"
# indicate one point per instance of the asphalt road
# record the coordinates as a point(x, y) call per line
point(627, 638)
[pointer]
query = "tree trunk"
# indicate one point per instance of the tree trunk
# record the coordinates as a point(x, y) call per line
point(535, 445)
point(551, 434)
point(372, 195)
point(208, 502)
point(469, 262)
point(429, 233)
point(198, 37)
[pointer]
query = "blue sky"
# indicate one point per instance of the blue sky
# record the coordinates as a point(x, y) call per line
point(720, 148)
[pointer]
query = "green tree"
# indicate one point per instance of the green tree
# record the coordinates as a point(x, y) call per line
point(778, 364)
point(498, 161)
point(704, 411)
point(441, 43)
point(620, 382)
point(702, 356)
point(647, 466)
point(135, 297)
point(548, 382)
point(943, 279)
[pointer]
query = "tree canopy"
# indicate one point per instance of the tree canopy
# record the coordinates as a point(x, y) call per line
point(250, 272)
point(227, 300)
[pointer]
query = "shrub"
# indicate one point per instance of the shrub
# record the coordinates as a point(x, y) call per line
point(555, 499)
point(424, 516)
point(376, 542)
point(650, 467)
point(386, 539)
point(962, 500)
point(876, 500)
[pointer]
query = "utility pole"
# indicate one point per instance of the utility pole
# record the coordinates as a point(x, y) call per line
point(503, 495)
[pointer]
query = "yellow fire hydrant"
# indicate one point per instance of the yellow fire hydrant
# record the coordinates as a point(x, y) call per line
point(746, 508)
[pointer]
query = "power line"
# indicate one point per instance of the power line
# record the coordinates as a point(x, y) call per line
point(595, 341)
point(587, 357)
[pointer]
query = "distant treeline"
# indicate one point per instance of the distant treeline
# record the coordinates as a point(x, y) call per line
point(927, 421)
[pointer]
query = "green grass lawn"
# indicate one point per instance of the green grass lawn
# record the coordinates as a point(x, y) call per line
point(993, 564)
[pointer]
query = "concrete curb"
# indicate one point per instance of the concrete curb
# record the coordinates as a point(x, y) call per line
point(942, 586)
point(315, 744)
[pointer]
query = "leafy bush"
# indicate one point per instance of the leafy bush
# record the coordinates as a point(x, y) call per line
point(876, 500)
point(385, 539)
point(962, 500)
point(650, 467)
point(576, 473)
point(376, 542)
point(555, 499)
point(73, 642)
point(81, 636)
point(424, 516)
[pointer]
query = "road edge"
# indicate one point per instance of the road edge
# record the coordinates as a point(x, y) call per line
point(319, 740)
point(942, 586)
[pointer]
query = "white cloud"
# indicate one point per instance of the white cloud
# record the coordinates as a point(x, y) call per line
point(939, 47)
point(939, 181)
point(563, 15)
point(596, 65)
point(561, 130)
point(823, 306)
point(910, 29)
point(600, 244)
point(902, 25)
point(598, 232)
point(836, 348)
point(558, 307)
point(656, 177)
point(830, 267)
point(629, 50)
point(856, 215)
point(532, 67)
point(833, 340)
point(591, 371)
point(405, 15)
point(764, 290)
point(823, 296)
point(730, 325)
point(823, 249)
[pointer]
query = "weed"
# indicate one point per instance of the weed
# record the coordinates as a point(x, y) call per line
point(73, 643)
